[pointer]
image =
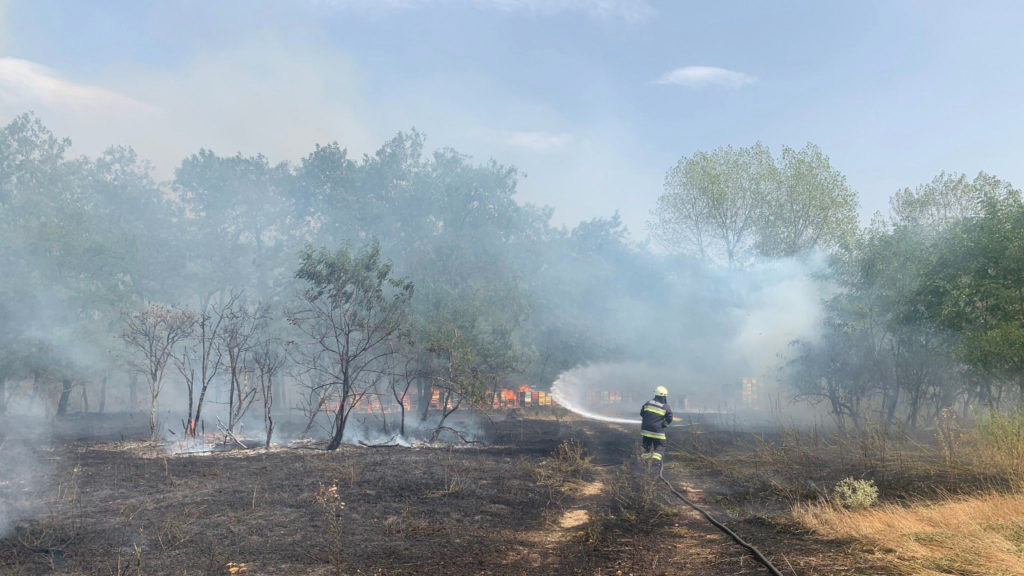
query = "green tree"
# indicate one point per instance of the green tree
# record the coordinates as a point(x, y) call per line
point(68, 257)
point(238, 221)
point(733, 203)
point(976, 288)
point(927, 312)
point(353, 306)
point(714, 202)
point(813, 206)
point(948, 199)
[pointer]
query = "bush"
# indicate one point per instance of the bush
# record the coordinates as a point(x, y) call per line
point(999, 445)
point(855, 494)
point(571, 460)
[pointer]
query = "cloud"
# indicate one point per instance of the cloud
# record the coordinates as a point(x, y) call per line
point(537, 141)
point(259, 96)
point(23, 82)
point(705, 76)
point(628, 10)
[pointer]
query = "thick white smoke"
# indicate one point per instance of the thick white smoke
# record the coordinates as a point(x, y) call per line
point(721, 331)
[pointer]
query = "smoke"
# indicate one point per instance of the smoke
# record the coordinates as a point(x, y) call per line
point(24, 473)
point(714, 331)
point(573, 387)
point(781, 302)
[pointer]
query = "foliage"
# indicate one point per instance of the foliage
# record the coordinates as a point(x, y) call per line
point(151, 336)
point(998, 441)
point(733, 203)
point(353, 308)
point(925, 314)
point(855, 494)
point(572, 460)
point(928, 309)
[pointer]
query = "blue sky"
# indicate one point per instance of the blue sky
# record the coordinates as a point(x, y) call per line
point(594, 100)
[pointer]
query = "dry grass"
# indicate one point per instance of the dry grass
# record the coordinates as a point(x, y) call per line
point(980, 535)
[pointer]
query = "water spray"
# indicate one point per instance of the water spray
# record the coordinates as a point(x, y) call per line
point(569, 404)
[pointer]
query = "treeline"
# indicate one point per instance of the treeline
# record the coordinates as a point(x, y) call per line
point(401, 273)
point(929, 311)
point(926, 307)
point(97, 255)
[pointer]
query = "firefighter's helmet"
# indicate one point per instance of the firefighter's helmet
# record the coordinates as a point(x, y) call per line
point(661, 391)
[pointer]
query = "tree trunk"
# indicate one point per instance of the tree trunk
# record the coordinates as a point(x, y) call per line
point(152, 413)
point(268, 404)
point(133, 393)
point(190, 424)
point(401, 426)
point(383, 415)
point(103, 395)
point(270, 429)
point(232, 386)
point(424, 389)
point(199, 405)
point(65, 395)
point(339, 427)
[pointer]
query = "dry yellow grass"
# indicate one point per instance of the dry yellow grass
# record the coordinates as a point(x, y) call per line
point(981, 535)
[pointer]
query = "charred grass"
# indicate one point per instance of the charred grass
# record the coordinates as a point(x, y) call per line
point(545, 496)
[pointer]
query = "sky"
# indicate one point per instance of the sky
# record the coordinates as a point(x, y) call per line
point(592, 100)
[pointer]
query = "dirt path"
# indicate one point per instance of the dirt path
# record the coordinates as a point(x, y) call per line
point(666, 537)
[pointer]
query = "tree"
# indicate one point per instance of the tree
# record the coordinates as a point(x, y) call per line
point(813, 207)
point(976, 288)
point(66, 259)
point(877, 358)
point(948, 199)
point(734, 203)
point(404, 371)
point(714, 202)
point(242, 326)
point(928, 308)
point(152, 335)
point(238, 211)
point(201, 357)
point(352, 307)
point(455, 378)
point(268, 360)
point(469, 331)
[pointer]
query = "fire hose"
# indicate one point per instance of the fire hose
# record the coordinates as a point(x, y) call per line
point(757, 554)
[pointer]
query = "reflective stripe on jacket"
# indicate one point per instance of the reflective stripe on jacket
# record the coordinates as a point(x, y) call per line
point(656, 416)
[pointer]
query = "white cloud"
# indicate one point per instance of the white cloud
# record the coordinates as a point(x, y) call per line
point(704, 76)
point(24, 83)
point(259, 97)
point(537, 141)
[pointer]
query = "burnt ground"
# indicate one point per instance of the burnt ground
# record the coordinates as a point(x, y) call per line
point(525, 503)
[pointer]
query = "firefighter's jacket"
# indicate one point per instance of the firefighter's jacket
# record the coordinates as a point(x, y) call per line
point(656, 417)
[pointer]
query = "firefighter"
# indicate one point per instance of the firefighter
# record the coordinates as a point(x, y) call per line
point(656, 415)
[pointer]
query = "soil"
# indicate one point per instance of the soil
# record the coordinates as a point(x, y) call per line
point(103, 502)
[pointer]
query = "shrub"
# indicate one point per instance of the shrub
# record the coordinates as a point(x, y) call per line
point(572, 461)
point(855, 494)
point(999, 442)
